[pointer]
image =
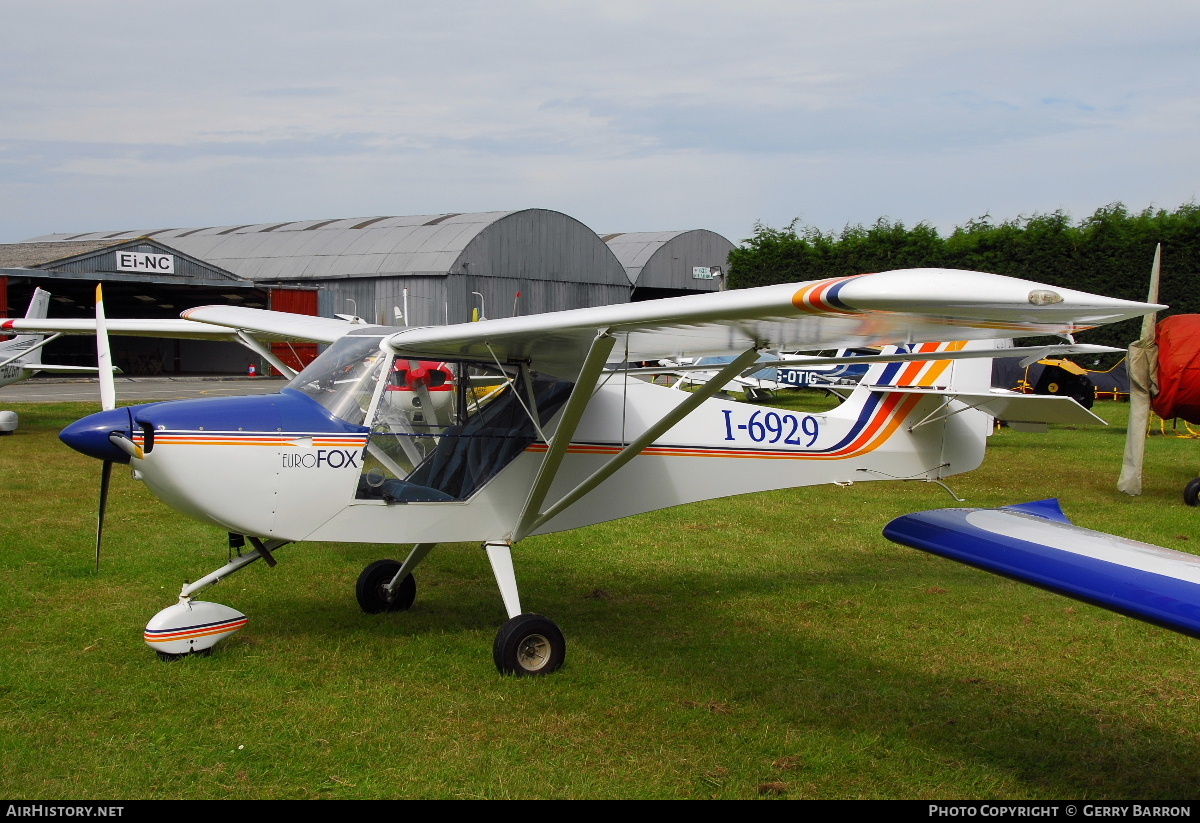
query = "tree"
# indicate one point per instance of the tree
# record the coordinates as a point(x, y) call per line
point(1108, 253)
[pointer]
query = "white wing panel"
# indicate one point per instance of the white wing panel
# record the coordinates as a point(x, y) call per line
point(123, 328)
point(271, 325)
point(907, 306)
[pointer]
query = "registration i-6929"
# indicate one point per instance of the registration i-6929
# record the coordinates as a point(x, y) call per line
point(772, 427)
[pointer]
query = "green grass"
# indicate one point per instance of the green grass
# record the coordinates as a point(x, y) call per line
point(771, 645)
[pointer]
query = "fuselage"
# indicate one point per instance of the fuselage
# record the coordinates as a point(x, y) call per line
point(342, 460)
point(16, 370)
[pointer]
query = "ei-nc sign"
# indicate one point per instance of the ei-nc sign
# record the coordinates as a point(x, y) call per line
point(702, 273)
point(145, 261)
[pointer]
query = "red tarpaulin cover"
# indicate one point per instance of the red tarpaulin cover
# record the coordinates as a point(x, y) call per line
point(1178, 339)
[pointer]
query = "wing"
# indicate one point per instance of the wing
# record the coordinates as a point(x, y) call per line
point(123, 328)
point(272, 325)
point(905, 306)
point(203, 323)
point(1035, 543)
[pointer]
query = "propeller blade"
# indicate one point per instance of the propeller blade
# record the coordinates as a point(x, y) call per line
point(105, 474)
point(1142, 367)
point(108, 388)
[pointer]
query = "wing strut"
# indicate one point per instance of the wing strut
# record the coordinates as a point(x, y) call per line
point(257, 347)
point(633, 449)
point(585, 384)
point(32, 348)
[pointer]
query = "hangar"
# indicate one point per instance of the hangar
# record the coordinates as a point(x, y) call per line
point(142, 278)
point(414, 270)
point(671, 263)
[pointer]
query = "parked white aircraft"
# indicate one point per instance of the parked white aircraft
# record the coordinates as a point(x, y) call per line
point(20, 357)
point(270, 327)
point(538, 437)
point(757, 381)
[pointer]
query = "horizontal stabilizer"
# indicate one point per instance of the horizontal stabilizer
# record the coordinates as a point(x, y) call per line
point(1035, 543)
point(52, 369)
point(1013, 407)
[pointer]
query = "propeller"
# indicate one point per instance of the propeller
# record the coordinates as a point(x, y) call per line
point(108, 401)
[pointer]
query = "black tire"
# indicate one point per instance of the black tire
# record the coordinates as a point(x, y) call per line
point(1191, 493)
point(529, 645)
point(373, 597)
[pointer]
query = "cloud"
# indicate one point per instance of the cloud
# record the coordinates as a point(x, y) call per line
point(673, 114)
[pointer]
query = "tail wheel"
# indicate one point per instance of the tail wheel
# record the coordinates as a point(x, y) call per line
point(372, 593)
point(529, 644)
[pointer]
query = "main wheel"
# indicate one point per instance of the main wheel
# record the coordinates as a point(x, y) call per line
point(373, 596)
point(1191, 493)
point(529, 644)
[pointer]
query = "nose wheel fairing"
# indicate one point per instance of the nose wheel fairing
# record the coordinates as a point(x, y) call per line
point(195, 626)
point(191, 627)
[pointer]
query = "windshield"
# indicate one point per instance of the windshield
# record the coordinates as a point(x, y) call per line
point(343, 378)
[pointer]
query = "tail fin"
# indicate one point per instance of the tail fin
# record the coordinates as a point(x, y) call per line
point(39, 305)
point(969, 376)
point(11, 349)
point(20, 357)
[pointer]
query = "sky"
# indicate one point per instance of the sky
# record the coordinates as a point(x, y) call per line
point(651, 115)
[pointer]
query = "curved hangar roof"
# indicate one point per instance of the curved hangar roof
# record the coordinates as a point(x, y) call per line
point(669, 259)
point(535, 244)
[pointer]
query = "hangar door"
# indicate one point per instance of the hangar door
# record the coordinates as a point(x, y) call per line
point(295, 301)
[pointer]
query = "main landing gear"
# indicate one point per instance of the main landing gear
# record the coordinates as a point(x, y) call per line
point(373, 592)
point(528, 644)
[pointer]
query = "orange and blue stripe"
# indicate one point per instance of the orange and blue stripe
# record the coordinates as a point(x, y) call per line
point(194, 632)
point(822, 297)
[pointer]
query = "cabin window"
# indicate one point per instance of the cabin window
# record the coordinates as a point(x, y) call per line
point(441, 430)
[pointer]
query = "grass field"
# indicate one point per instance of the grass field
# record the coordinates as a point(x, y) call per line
point(772, 645)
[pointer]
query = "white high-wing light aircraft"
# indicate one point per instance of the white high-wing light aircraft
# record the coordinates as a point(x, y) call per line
point(536, 436)
point(20, 357)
